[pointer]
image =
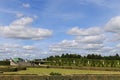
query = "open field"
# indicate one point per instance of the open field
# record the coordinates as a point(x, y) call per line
point(47, 71)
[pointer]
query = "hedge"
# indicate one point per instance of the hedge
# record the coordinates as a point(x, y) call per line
point(11, 69)
point(4, 63)
point(8, 69)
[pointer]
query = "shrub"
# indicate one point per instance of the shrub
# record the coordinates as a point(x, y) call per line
point(21, 68)
point(1, 72)
point(8, 69)
point(12, 69)
point(55, 73)
point(5, 63)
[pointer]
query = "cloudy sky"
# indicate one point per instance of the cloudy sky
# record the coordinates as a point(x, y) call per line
point(39, 28)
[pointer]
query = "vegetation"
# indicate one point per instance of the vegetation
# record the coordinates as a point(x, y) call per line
point(55, 73)
point(68, 77)
point(11, 68)
point(67, 67)
point(89, 56)
point(4, 63)
point(91, 60)
point(60, 74)
point(47, 71)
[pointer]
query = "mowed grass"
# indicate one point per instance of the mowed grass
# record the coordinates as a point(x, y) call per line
point(47, 71)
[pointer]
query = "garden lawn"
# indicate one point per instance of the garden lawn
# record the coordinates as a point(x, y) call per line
point(47, 71)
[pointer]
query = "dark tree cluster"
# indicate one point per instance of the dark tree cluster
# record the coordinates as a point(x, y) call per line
point(89, 56)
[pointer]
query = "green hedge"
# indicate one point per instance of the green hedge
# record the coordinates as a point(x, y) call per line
point(4, 63)
point(8, 69)
point(11, 69)
point(55, 73)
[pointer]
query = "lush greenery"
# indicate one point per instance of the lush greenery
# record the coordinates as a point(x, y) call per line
point(5, 63)
point(55, 73)
point(91, 60)
point(89, 56)
point(11, 68)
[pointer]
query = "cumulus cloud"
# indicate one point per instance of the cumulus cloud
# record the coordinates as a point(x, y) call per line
point(84, 32)
point(89, 39)
point(64, 46)
point(74, 46)
point(113, 26)
point(22, 22)
point(92, 46)
point(28, 47)
point(19, 29)
point(67, 43)
point(98, 39)
point(16, 50)
point(94, 39)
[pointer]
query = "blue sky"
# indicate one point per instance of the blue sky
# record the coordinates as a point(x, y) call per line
point(39, 28)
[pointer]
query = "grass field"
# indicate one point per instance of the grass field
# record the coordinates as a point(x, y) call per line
point(47, 71)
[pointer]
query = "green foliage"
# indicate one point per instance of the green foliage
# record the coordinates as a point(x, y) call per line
point(55, 73)
point(11, 69)
point(8, 69)
point(91, 60)
point(1, 72)
point(89, 56)
point(21, 68)
point(4, 63)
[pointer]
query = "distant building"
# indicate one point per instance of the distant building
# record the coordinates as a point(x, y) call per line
point(22, 62)
point(19, 62)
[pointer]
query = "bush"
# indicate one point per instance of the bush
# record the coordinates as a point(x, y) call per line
point(21, 68)
point(12, 69)
point(55, 73)
point(8, 69)
point(1, 72)
point(4, 63)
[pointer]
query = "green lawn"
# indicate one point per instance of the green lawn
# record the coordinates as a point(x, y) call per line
point(46, 71)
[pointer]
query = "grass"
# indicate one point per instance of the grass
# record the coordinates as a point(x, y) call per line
point(47, 71)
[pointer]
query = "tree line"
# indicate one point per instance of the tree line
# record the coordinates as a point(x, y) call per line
point(89, 56)
point(90, 60)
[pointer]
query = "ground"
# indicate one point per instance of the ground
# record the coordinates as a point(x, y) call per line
point(47, 71)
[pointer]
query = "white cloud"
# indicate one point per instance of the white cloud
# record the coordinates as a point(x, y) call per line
point(84, 32)
point(28, 47)
point(118, 46)
point(72, 46)
point(26, 5)
point(22, 22)
point(63, 46)
point(19, 29)
point(92, 46)
point(98, 39)
point(16, 50)
point(113, 25)
point(66, 43)
point(86, 40)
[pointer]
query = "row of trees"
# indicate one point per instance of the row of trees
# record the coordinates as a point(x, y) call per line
point(90, 60)
point(89, 56)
